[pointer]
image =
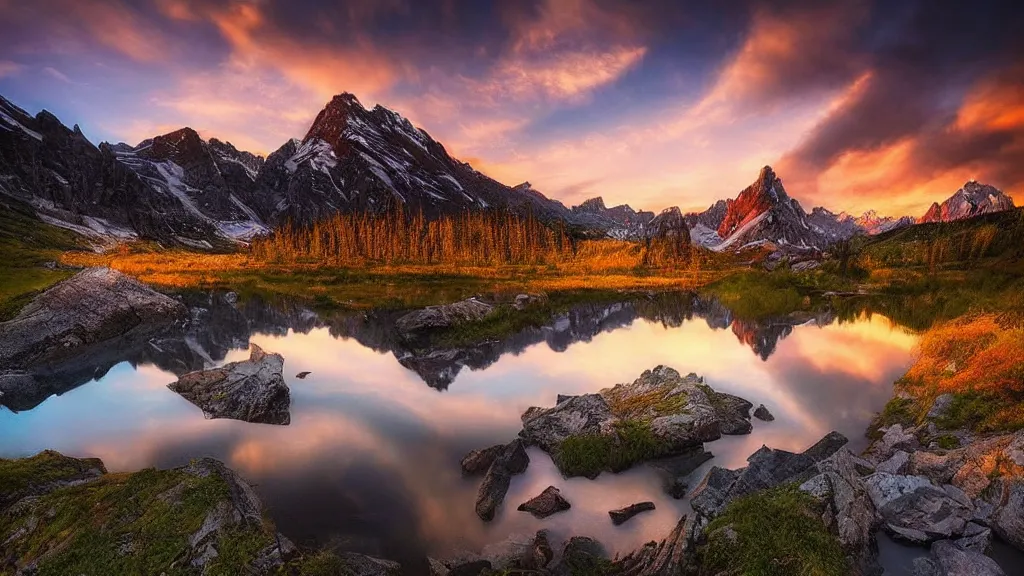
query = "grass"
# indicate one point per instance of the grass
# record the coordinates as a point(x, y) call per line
point(755, 295)
point(779, 532)
point(26, 243)
point(590, 454)
point(901, 411)
point(48, 466)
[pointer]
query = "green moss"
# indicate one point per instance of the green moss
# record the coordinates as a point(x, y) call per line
point(778, 532)
point(947, 442)
point(41, 469)
point(981, 412)
point(590, 454)
point(137, 523)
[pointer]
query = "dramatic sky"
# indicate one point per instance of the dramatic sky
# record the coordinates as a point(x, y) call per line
point(888, 104)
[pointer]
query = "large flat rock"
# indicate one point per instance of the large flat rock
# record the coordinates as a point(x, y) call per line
point(93, 306)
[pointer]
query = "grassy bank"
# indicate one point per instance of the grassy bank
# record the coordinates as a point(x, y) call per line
point(26, 244)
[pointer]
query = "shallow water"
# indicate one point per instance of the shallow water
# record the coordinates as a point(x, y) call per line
point(370, 459)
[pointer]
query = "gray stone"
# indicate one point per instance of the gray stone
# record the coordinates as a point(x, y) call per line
point(581, 555)
point(952, 560)
point(522, 301)
point(512, 460)
point(443, 316)
point(1008, 519)
point(478, 461)
point(91, 307)
point(913, 509)
point(252, 390)
point(762, 413)
point(623, 514)
point(976, 537)
point(548, 502)
point(675, 471)
point(940, 406)
point(895, 438)
point(897, 464)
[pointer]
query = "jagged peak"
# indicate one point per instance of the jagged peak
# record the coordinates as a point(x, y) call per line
point(595, 204)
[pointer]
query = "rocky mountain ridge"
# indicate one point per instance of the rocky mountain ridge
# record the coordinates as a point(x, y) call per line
point(180, 189)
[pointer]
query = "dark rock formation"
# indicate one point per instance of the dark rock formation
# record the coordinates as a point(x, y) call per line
point(623, 514)
point(548, 502)
point(252, 390)
point(762, 413)
point(511, 461)
point(478, 461)
point(675, 471)
point(949, 559)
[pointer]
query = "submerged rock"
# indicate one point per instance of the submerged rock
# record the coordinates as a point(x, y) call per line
point(623, 514)
point(252, 390)
point(443, 316)
point(93, 306)
point(302, 375)
point(675, 471)
point(511, 461)
point(548, 502)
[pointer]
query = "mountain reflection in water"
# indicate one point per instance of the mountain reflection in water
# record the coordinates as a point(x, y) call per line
point(370, 461)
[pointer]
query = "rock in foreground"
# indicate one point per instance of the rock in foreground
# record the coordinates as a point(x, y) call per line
point(548, 502)
point(93, 306)
point(206, 519)
point(252, 390)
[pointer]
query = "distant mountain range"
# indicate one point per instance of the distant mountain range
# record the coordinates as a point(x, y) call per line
point(178, 188)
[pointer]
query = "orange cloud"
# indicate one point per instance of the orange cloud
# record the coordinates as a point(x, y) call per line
point(8, 68)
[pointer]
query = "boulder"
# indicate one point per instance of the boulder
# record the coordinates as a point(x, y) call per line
point(548, 502)
point(623, 514)
point(976, 537)
point(91, 307)
point(252, 390)
point(913, 509)
point(949, 559)
point(522, 301)
point(581, 555)
point(512, 460)
point(897, 464)
point(576, 416)
point(478, 461)
point(302, 375)
point(733, 412)
point(762, 413)
point(1008, 519)
point(443, 316)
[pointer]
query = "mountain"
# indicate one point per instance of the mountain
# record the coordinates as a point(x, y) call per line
point(181, 189)
point(761, 214)
point(972, 200)
point(843, 226)
point(621, 222)
point(704, 225)
point(354, 159)
point(74, 184)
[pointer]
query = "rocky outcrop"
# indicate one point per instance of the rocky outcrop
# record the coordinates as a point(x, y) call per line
point(973, 199)
point(548, 502)
point(679, 413)
point(913, 509)
point(511, 461)
point(197, 509)
point(675, 471)
point(443, 316)
point(252, 390)
point(624, 514)
point(91, 307)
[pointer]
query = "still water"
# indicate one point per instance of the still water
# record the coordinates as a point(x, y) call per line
point(370, 460)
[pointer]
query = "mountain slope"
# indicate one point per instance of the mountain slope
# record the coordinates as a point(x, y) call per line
point(76, 185)
point(358, 160)
point(764, 213)
point(971, 200)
